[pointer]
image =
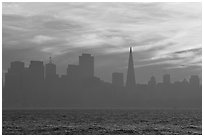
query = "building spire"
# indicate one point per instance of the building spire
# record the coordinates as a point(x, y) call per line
point(130, 82)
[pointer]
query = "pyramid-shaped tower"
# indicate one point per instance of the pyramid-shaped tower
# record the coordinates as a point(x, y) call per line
point(130, 82)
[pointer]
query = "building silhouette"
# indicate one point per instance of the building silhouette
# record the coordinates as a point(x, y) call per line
point(14, 76)
point(39, 86)
point(86, 66)
point(50, 70)
point(85, 69)
point(130, 82)
point(14, 83)
point(15, 72)
point(117, 79)
point(36, 69)
point(73, 72)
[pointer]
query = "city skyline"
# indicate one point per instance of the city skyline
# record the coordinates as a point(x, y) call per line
point(166, 37)
point(49, 71)
point(39, 86)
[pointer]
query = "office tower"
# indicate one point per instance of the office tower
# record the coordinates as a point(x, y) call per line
point(16, 66)
point(14, 74)
point(166, 79)
point(36, 70)
point(130, 82)
point(117, 79)
point(152, 82)
point(86, 65)
point(73, 71)
point(13, 96)
point(194, 81)
point(50, 70)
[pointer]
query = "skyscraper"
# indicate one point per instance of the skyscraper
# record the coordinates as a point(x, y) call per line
point(36, 70)
point(50, 70)
point(14, 84)
point(130, 82)
point(14, 74)
point(73, 71)
point(17, 66)
point(86, 65)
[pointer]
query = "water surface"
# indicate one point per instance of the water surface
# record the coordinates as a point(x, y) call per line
point(102, 122)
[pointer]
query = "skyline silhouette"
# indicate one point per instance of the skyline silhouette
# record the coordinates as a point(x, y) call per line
point(40, 86)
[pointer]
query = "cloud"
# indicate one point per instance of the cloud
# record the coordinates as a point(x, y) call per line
point(179, 59)
point(40, 39)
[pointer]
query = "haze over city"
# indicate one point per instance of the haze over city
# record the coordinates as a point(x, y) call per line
point(166, 37)
point(106, 68)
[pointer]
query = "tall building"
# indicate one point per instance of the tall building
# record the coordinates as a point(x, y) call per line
point(73, 71)
point(50, 70)
point(130, 82)
point(166, 79)
point(36, 69)
point(14, 84)
point(86, 65)
point(15, 73)
point(117, 79)
point(17, 66)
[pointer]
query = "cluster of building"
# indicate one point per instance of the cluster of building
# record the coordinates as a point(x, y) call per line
point(40, 78)
point(85, 70)
point(38, 72)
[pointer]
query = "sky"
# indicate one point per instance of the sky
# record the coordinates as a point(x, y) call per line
point(166, 37)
